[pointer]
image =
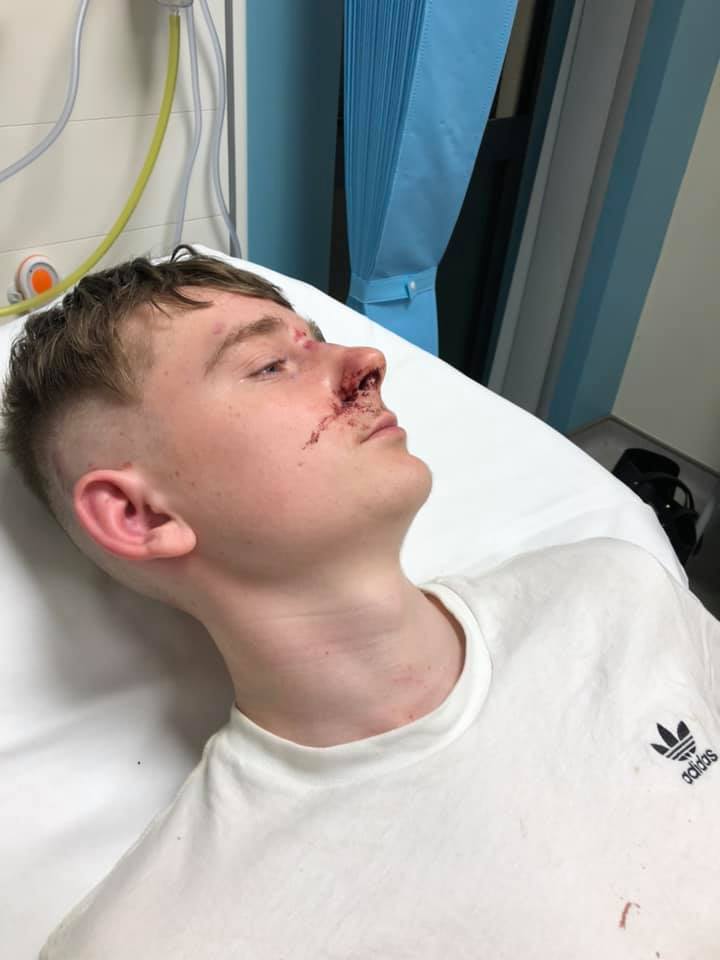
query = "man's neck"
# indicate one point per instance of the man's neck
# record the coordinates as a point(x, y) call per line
point(332, 667)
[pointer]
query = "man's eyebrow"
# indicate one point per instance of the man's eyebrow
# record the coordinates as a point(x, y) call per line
point(257, 328)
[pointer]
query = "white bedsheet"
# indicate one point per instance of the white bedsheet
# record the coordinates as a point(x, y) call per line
point(108, 698)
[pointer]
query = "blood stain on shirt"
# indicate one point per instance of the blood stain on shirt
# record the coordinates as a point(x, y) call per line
point(623, 918)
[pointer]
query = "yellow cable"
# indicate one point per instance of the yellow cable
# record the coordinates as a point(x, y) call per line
point(160, 127)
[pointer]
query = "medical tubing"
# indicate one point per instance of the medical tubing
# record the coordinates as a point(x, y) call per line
point(52, 136)
point(197, 123)
point(217, 130)
point(160, 127)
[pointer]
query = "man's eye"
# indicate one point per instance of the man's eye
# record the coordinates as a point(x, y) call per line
point(269, 366)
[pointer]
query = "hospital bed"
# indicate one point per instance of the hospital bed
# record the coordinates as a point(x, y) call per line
point(108, 698)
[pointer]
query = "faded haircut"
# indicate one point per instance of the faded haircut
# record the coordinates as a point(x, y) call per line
point(74, 351)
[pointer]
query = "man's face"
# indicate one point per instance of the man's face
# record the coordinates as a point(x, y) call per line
point(261, 442)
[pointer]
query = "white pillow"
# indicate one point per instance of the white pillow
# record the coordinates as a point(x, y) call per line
point(109, 698)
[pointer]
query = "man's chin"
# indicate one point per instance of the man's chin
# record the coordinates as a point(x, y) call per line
point(422, 485)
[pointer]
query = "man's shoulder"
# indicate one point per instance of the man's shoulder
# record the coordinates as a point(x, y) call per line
point(600, 575)
point(615, 582)
point(117, 902)
point(601, 560)
point(608, 554)
point(145, 873)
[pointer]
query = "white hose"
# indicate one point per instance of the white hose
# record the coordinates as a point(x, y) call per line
point(37, 151)
point(217, 130)
point(197, 123)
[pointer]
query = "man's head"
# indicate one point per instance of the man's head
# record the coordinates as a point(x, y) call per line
point(189, 431)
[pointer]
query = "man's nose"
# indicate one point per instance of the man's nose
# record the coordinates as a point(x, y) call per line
point(364, 368)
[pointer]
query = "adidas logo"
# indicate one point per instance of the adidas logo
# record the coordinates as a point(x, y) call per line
point(682, 747)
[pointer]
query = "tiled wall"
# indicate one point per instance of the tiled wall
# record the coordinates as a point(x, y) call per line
point(64, 203)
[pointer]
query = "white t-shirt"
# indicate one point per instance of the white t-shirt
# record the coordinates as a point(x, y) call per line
point(563, 802)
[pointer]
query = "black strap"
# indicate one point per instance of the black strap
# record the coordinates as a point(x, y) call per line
point(673, 483)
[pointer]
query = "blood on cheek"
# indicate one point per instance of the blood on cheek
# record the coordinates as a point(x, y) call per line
point(349, 400)
point(348, 403)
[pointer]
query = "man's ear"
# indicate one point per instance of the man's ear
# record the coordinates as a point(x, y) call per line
point(118, 510)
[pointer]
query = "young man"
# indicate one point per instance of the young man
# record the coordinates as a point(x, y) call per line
point(520, 765)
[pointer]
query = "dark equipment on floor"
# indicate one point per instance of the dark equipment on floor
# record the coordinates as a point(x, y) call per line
point(656, 480)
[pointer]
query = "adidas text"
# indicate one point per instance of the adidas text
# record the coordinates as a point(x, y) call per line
point(699, 765)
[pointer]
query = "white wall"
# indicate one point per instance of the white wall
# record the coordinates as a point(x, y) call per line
point(64, 203)
point(671, 384)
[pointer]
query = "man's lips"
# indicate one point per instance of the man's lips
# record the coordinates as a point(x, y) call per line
point(386, 420)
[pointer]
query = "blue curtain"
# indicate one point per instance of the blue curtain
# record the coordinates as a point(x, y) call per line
point(420, 77)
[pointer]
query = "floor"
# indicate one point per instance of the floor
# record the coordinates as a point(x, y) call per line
point(605, 442)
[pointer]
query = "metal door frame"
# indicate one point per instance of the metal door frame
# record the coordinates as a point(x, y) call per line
point(596, 75)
